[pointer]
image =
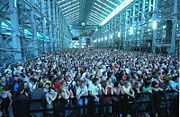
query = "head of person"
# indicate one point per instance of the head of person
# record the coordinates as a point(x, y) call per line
point(82, 84)
point(25, 85)
point(4, 90)
point(126, 84)
point(117, 84)
point(16, 78)
point(95, 81)
point(40, 85)
point(47, 85)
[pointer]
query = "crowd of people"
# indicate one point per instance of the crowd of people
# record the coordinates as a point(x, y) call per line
point(87, 72)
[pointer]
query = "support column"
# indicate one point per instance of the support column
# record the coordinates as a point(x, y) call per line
point(133, 27)
point(60, 31)
point(57, 24)
point(173, 39)
point(15, 30)
point(34, 43)
point(43, 26)
point(126, 31)
point(150, 6)
point(50, 25)
point(154, 18)
point(142, 22)
point(54, 28)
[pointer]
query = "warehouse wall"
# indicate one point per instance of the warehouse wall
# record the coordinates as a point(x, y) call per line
point(29, 28)
point(145, 25)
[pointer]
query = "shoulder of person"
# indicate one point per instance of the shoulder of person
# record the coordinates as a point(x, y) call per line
point(9, 94)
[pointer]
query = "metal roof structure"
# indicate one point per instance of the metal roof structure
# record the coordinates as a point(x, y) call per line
point(87, 14)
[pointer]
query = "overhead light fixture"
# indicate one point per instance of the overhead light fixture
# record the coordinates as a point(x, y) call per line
point(105, 4)
point(73, 19)
point(94, 40)
point(131, 30)
point(73, 12)
point(164, 26)
point(154, 25)
point(96, 15)
point(119, 34)
point(93, 17)
point(67, 3)
point(92, 20)
point(117, 10)
point(72, 15)
point(105, 37)
point(61, 1)
point(99, 6)
point(111, 36)
point(100, 11)
point(15, 3)
point(70, 8)
point(83, 24)
point(112, 3)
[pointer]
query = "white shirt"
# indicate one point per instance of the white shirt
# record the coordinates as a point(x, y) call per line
point(81, 91)
point(126, 90)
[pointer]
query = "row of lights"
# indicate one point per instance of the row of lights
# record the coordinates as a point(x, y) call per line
point(105, 38)
point(131, 31)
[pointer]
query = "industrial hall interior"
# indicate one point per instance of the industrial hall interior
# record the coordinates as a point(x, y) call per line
point(89, 58)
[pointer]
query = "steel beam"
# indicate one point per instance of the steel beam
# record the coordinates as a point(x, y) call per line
point(15, 43)
point(155, 10)
point(54, 24)
point(173, 39)
point(43, 26)
point(50, 24)
point(34, 29)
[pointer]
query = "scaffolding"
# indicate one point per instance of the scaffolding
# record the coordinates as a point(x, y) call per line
point(29, 28)
point(132, 28)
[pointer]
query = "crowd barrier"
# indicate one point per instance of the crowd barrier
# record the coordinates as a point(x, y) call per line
point(163, 104)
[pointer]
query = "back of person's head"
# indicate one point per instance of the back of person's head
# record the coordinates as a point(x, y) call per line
point(154, 84)
point(94, 80)
point(40, 85)
point(147, 83)
point(4, 88)
point(174, 78)
point(116, 84)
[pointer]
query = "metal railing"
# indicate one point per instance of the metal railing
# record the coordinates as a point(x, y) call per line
point(164, 104)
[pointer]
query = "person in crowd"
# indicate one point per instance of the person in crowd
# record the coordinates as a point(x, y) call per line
point(94, 90)
point(118, 89)
point(107, 90)
point(174, 83)
point(50, 97)
point(82, 90)
point(6, 101)
point(8, 69)
point(147, 87)
point(37, 93)
point(156, 87)
point(21, 101)
point(127, 89)
point(90, 72)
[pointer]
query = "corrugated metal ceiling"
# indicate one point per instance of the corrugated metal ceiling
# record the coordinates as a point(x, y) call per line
point(90, 12)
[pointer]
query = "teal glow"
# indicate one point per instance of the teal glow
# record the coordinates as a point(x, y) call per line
point(5, 26)
point(131, 30)
point(39, 35)
point(117, 10)
point(154, 24)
